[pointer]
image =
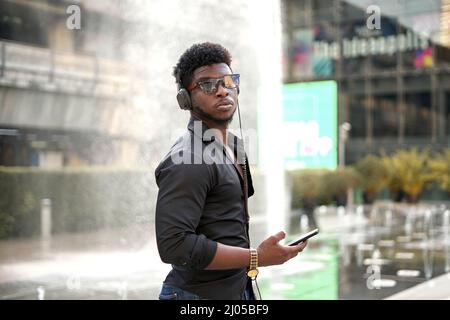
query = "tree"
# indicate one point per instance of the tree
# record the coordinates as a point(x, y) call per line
point(307, 191)
point(306, 184)
point(336, 183)
point(374, 176)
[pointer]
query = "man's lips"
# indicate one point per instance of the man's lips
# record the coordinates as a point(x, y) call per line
point(225, 105)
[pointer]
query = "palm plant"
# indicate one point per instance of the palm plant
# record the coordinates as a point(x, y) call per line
point(409, 171)
point(440, 169)
point(393, 181)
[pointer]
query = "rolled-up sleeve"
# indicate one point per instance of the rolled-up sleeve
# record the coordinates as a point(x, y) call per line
point(182, 192)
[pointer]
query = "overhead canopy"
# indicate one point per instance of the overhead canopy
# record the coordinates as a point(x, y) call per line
point(60, 111)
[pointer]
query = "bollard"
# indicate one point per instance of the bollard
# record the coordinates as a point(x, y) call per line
point(46, 219)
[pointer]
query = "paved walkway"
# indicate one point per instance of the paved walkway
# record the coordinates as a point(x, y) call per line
point(112, 264)
point(434, 289)
point(124, 264)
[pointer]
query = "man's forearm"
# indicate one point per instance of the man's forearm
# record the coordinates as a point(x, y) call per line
point(229, 257)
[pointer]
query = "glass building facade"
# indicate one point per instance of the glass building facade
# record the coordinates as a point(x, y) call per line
point(391, 63)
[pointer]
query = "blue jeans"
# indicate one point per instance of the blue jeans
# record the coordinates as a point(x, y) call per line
point(169, 292)
point(173, 293)
point(248, 293)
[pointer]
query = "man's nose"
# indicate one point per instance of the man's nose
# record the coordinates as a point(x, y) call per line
point(222, 91)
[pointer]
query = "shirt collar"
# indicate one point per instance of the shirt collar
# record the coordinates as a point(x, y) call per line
point(195, 122)
point(234, 142)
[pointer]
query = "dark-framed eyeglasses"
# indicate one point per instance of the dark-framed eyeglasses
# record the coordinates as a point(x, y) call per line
point(211, 85)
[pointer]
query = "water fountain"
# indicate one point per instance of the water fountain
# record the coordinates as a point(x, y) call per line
point(40, 293)
point(304, 223)
point(446, 230)
point(361, 250)
point(375, 280)
point(409, 223)
point(341, 212)
point(428, 244)
point(388, 218)
point(122, 290)
point(171, 19)
point(360, 214)
point(129, 134)
point(373, 215)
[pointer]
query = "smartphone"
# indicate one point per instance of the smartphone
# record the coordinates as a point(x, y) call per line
point(304, 237)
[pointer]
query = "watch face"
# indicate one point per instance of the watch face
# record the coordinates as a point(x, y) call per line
point(252, 273)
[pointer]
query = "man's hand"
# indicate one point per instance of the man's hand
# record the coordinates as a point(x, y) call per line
point(270, 252)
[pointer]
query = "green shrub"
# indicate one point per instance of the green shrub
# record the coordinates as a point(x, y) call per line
point(306, 183)
point(338, 182)
point(82, 198)
point(374, 176)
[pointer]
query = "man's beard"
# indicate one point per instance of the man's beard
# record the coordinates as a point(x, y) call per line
point(221, 122)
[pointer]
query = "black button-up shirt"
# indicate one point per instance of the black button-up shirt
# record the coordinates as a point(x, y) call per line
point(201, 202)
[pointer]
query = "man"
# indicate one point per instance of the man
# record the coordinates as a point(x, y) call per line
point(204, 182)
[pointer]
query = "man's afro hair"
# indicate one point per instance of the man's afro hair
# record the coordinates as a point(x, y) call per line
point(198, 55)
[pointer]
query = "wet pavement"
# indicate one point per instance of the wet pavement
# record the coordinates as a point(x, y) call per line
point(111, 264)
point(370, 253)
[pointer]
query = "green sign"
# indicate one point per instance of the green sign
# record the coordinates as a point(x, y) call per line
point(310, 125)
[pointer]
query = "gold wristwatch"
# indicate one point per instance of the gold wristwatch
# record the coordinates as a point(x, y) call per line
point(253, 268)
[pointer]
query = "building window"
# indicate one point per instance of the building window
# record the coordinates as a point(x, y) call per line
point(418, 114)
point(357, 116)
point(385, 116)
point(447, 112)
point(20, 23)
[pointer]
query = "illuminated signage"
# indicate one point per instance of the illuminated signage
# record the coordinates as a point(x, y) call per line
point(356, 46)
point(310, 125)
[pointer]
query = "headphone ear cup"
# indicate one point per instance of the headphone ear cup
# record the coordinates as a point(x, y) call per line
point(184, 100)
